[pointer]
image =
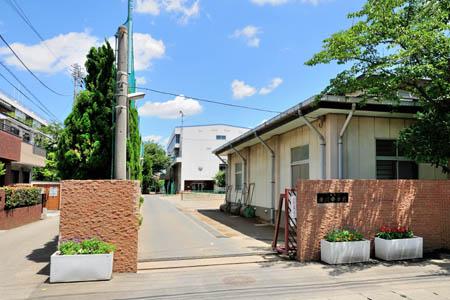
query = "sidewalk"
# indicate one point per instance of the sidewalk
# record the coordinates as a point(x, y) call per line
point(428, 279)
point(25, 252)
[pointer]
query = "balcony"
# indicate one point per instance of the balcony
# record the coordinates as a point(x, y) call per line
point(32, 155)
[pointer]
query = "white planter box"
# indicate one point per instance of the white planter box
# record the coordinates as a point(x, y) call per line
point(399, 249)
point(344, 252)
point(86, 267)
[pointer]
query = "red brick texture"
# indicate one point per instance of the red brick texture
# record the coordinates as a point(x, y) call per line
point(10, 146)
point(421, 205)
point(107, 209)
point(12, 218)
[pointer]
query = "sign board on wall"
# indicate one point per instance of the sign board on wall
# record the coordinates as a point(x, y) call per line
point(332, 197)
point(53, 192)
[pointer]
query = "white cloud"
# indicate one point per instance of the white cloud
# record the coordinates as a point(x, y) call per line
point(152, 138)
point(281, 2)
point(270, 2)
point(71, 48)
point(171, 109)
point(184, 9)
point(271, 87)
point(140, 80)
point(146, 49)
point(242, 90)
point(67, 49)
point(250, 34)
point(148, 7)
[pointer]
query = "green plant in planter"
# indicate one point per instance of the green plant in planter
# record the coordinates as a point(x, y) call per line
point(343, 235)
point(393, 233)
point(90, 246)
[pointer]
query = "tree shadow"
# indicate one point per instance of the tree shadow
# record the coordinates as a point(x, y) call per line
point(42, 255)
point(250, 227)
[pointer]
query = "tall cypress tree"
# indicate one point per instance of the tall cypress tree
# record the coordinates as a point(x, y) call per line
point(85, 147)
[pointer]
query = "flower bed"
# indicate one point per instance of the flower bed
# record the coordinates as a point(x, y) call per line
point(342, 246)
point(397, 243)
point(82, 261)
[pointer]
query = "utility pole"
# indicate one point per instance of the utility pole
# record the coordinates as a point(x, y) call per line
point(121, 111)
point(78, 76)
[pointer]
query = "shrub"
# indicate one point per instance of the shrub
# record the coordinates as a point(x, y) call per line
point(91, 246)
point(21, 196)
point(392, 233)
point(343, 235)
point(141, 201)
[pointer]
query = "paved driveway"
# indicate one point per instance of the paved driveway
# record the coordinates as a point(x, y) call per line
point(171, 230)
point(25, 253)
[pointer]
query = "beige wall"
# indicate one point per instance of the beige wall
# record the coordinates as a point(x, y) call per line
point(359, 146)
point(27, 157)
point(359, 154)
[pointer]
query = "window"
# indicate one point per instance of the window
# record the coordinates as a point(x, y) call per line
point(238, 176)
point(391, 162)
point(221, 137)
point(299, 164)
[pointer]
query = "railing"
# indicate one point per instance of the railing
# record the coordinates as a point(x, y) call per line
point(39, 151)
point(10, 129)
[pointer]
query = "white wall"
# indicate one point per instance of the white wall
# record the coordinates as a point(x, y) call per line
point(197, 143)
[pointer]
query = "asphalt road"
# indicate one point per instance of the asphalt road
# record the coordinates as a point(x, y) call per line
point(169, 233)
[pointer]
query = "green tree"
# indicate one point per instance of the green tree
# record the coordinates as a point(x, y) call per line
point(396, 45)
point(85, 147)
point(50, 144)
point(134, 145)
point(220, 179)
point(155, 161)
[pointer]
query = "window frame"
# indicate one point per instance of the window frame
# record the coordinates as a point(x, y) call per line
point(395, 158)
point(240, 172)
point(299, 162)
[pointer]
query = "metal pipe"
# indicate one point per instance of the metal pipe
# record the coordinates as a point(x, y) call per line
point(322, 143)
point(340, 142)
point(272, 182)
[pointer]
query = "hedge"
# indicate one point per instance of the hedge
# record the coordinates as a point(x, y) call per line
point(21, 196)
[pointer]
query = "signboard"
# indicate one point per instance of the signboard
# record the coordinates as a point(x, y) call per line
point(332, 197)
point(53, 192)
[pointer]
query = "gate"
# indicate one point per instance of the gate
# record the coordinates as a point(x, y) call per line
point(289, 247)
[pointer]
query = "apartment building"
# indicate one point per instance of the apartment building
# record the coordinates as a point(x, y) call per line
point(193, 164)
point(20, 131)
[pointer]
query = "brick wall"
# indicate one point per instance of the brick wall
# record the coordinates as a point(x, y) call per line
point(422, 205)
point(16, 217)
point(107, 209)
point(10, 146)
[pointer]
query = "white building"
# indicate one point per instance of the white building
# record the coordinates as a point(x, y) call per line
point(193, 163)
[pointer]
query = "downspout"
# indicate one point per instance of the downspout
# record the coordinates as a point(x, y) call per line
point(245, 164)
point(340, 142)
point(272, 182)
point(322, 143)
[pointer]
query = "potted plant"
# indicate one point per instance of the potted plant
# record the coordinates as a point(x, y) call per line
point(396, 243)
point(342, 246)
point(86, 260)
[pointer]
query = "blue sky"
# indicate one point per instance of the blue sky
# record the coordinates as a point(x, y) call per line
point(246, 52)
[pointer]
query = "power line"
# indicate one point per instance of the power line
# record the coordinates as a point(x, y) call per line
point(44, 110)
point(28, 69)
point(16, 7)
point(21, 83)
point(209, 101)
